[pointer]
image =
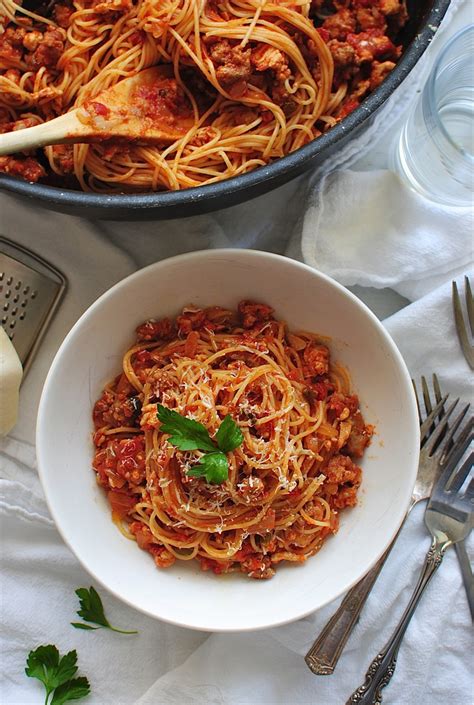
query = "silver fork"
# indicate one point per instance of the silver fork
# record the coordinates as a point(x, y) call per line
point(461, 327)
point(324, 654)
point(449, 518)
point(460, 546)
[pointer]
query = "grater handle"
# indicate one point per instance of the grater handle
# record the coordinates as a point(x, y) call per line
point(61, 130)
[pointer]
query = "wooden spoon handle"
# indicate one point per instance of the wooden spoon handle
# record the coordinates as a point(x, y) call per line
point(61, 130)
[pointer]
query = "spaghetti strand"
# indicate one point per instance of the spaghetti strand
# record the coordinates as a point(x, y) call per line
point(287, 481)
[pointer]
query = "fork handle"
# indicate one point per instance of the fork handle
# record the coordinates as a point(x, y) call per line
point(467, 577)
point(383, 666)
point(324, 654)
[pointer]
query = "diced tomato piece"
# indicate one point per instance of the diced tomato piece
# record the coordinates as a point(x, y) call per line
point(121, 503)
point(325, 36)
point(191, 344)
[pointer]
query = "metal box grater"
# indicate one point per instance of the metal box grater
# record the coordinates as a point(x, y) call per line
point(30, 293)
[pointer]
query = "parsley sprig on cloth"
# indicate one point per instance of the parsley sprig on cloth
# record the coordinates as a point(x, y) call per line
point(56, 673)
point(92, 610)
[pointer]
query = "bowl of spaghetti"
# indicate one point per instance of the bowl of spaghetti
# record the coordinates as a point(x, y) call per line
point(228, 440)
point(272, 89)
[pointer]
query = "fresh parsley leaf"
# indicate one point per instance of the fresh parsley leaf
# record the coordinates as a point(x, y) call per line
point(56, 673)
point(185, 434)
point(45, 665)
point(213, 466)
point(229, 436)
point(41, 664)
point(71, 690)
point(92, 610)
point(67, 667)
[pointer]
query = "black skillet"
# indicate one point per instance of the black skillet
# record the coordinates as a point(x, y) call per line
point(425, 18)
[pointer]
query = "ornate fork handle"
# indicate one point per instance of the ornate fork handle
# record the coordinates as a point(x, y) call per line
point(324, 654)
point(383, 666)
point(326, 650)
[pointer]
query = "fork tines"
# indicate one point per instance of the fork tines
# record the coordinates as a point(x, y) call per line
point(470, 491)
point(460, 477)
point(427, 423)
point(426, 393)
point(439, 442)
point(427, 397)
point(449, 482)
point(454, 484)
point(465, 438)
point(461, 327)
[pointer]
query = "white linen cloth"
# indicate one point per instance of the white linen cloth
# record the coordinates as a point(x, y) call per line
point(167, 665)
point(398, 239)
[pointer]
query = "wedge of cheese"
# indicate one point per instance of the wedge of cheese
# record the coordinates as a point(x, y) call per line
point(11, 372)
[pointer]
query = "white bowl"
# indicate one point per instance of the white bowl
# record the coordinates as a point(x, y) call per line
point(91, 355)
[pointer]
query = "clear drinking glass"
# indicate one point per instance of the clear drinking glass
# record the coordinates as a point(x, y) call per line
point(435, 149)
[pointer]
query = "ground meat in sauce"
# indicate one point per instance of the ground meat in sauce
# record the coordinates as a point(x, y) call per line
point(62, 14)
point(362, 37)
point(252, 313)
point(120, 459)
point(266, 57)
point(109, 6)
point(342, 481)
point(26, 167)
point(64, 155)
point(232, 63)
point(316, 358)
point(115, 409)
point(46, 50)
point(155, 330)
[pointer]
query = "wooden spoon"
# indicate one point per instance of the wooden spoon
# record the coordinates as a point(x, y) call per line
point(139, 109)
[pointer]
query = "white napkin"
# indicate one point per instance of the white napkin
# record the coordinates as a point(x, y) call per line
point(369, 228)
point(426, 336)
